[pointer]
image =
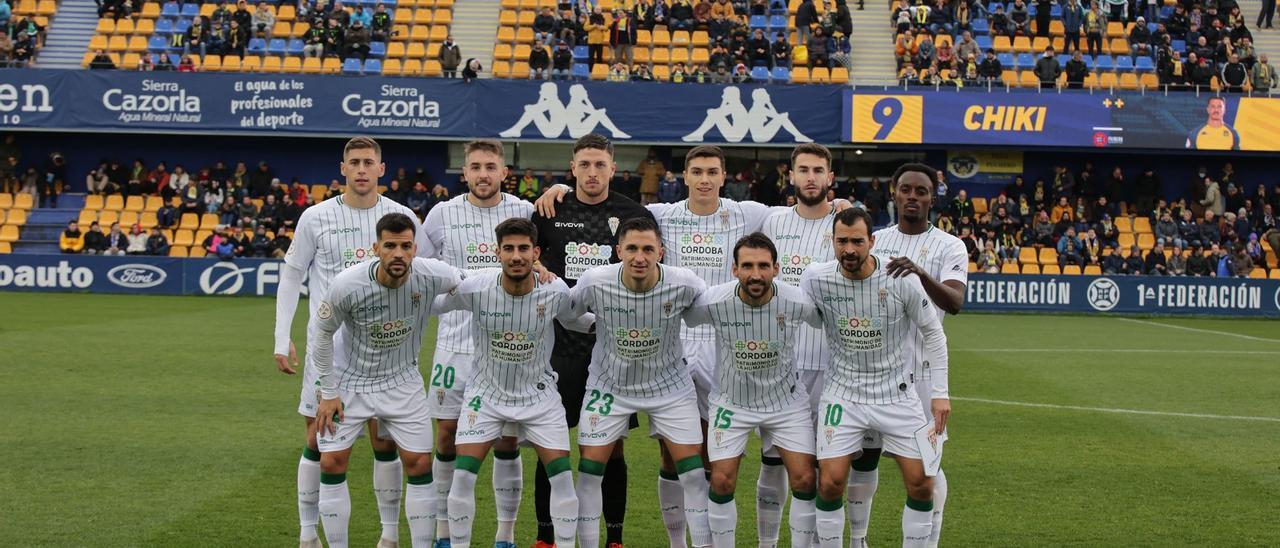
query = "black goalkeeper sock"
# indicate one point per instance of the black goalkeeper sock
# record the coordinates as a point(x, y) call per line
point(542, 505)
point(614, 490)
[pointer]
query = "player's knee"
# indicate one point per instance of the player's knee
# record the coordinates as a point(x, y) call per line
point(831, 487)
point(506, 443)
point(803, 481)
point(445, 434)
point(416, 464)
point(381, 445)
point(920, 488)
point(333, 463)
point(723, 482)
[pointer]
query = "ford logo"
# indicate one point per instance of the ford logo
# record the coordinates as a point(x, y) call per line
point(136, 276)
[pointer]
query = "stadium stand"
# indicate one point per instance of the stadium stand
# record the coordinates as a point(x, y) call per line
point(670, 47)
point(24, 24)
point(393, 38)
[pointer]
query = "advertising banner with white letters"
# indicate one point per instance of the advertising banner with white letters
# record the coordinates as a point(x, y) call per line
point(1156, 295)
point(295, 104)
point(139, 275)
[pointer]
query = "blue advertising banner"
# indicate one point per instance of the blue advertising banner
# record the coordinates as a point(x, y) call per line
point(139, 275)
point(1176, 296)
point(416, 107)
point(1067, 119)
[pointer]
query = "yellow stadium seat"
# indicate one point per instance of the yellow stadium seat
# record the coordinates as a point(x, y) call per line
point(1258, 274)
point(502, 51)
point(419, 33)
point(231, 63)
point(300, 29)
point(201, 235)
point(251, 63)
point(521, 52)
point(432, 68)
point(1028, 79)
point(1009, 268)
point(395, 50)
point(208, 221)
point(5, 248)
point(662, 73)
point(107, 218)
point(106, 26)
point(442, 17)
point(412, 67)
point(1027, 255)
point(1071, 270)
point(1118, 46)
point(1048, 256)
point(507, 18)
point(681, 38)
point(213, 63)
point(661, 38)
point(511, 4)
point(137, 44)
point(1009, 77)
point(422, 17)
point(124, 26)
point(128, 219)
point(1039, 43)
point(1056, 28)
point(272, 63)
point(1051, 270)
point(702, 56)
point(599, 72)
point(151, 10)
point(8, 234)
point(177, 250)
point(439, 33)
point(148, 220)
point(800, 75)
point(1123, 224)
point(197, 252)
point(207, 9)
point(189, 221)
point(661, 55)
point(1030, 269)
point(115, 202)
point(520, 70)
point(92, 202)
point(183, 237)
point(642, 55)
point(524, 35)
point(392, 67)
point(507, 34)
point(1115, 29)
point(644, 37)
point(1141, 224)
point(680, 55)
point(839, 75)
point(1149, 81)
point(433, 50)
point(1091, 81)
point(1002, 44)
point(701, 39)
point(16, 217)
point(1092, 270)
point(973, 267)
point(318, 192)
point(331, 65)
point(282, 28)
point(979, 206)
point(1126, 241)
point(144, 27)
point(117, 43)
point(820, 75)
point(286, 12)
point(441, 3)
point(153, 203)
point(23, 200)
point(1146, 240)
point(1274, 274)
point(1108, 80)
point(310, 65)
point(134, 203)
point(87, 217)
point(416, 51)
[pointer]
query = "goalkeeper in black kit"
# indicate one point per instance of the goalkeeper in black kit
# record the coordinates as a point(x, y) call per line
point(581, 235)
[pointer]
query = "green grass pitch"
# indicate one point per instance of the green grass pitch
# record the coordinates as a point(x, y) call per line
point(159, 421)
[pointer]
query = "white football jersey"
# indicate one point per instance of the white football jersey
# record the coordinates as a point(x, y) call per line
point(515, 336)
point(802, 242)
point(866, 323)
point(638, 351)
point(941, 255)
point(461, 234)
point(384, 326)
point(755, 366)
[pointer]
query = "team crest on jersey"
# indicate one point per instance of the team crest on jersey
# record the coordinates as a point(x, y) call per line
point(724, 218)
point(595, 419)
point(830, 433)
point(719, 435)
point(415, 298)
point(471, 419)
point(542, 310)
point(924, 252)
point(613, 225)
point(782, 320)
point(440, 396)
point(667, 307)
point(826, 239)
point(325, 311)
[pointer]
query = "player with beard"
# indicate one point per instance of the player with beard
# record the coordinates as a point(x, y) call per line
point(868, 319)
point(461, 233)
point(331, 236)
point(940, 261)
point(583, 235)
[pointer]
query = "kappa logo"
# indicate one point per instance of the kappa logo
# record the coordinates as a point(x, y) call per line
point(552, 118)
point(735, 121)
point(1103, 294)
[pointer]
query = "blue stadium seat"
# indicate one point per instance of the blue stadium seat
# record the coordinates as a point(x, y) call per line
point(175, 59)
point(1105, 63)
point(1025, 61)
point(351, 66)
point(991, 8)
point(1124, 63)
point(190, 9)
point(778, 22)
point(158, 44)
point(980, 27)
point(257, 46)
point(378, 50)
point(180, 26)
point(277, 46)
point(1056, 12)
point(581, 71)
point(778, 7)
point(782, 74)
point(171, 10)
point(373, 66)
point(580, 53)
point(1165, 12)
point(1144, 64)
point(1006, 60)
point(1151, 27)
point(164, 26)
point(1179, 46)
point(758, 22)
point(295, 46)
point(984, 42)
point(760, 74)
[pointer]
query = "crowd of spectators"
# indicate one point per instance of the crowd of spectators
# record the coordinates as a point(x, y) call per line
point(20, 37)
point(734, 45)
point(1195, 44)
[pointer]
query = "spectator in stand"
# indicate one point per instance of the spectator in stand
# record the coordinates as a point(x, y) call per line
point(1167, 230)
point(1177, 263)
point(334, 37)
point(280, 245)
point(269, 215)
point(1155, 264)
point(1061, 210)
point(1133, 263)
point(419, 200)
point(670, 189)
point(219, 244)
point(530, 188)
point(1198, 264)
point(95, 182)
point(228, 212)
point(137, 241)
point(1213, 200)
point(1041, 234)
point(544, 26)
point(622, 37)
point(260, 245)
point(1140, 39)
point(247, 212)
point(1234, 75)
point(1112, 262)
point(1091, 247)
point(71, 241)
point(806, 17)
point(940, 21)
point(1047, 68)
point(759, 52)
point(196, 38)
point(562, 61)
point(102, 61)
point(116, 241)
point(701, 14)
point(95, 242)
point(641, 73)
point(1210, 229)
point(380, 24)
point(1076, 70)
point(597, 37)
point(1095, 24)
point(157, 243)
point(539, 62)
point(315, 40)
point(681, 16)
point(357, 40)
point(1070, 253)
point(819, 53)
point(967, 46)
point(989, 70)
point(988, 260)
point(1019, 19)
point(1263, 77)
point(905, 49)
point(264, 20)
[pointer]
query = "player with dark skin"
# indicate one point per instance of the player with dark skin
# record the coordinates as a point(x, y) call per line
point(914, 199)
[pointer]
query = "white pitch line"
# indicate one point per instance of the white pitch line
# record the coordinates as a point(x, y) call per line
point(1197, 330)
point(1120, 411)
point(1118, 351)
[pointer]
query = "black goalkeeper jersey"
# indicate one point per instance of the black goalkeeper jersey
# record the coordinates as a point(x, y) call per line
point(581, 237)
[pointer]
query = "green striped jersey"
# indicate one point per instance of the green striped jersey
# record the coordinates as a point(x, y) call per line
point(637, 353)
point(755, 368)
point(867, 325)
point(383, 326)
point(461, 234)
point(802, 242)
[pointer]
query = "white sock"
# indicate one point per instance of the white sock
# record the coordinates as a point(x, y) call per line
point(723, 519)
point(462, 507)
point(771, 486)
point(564, 502)
point(939, 501)
point(308, 497)
point(420, 510)
point(335, 512)
point(694, 483)
point(442, 474)
point(671, 501)
point(916, 524)
point(801, 520)
point(590, 503)
point(861, 489)
point(387, 485)
point(508, 487)
point(830, 525)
